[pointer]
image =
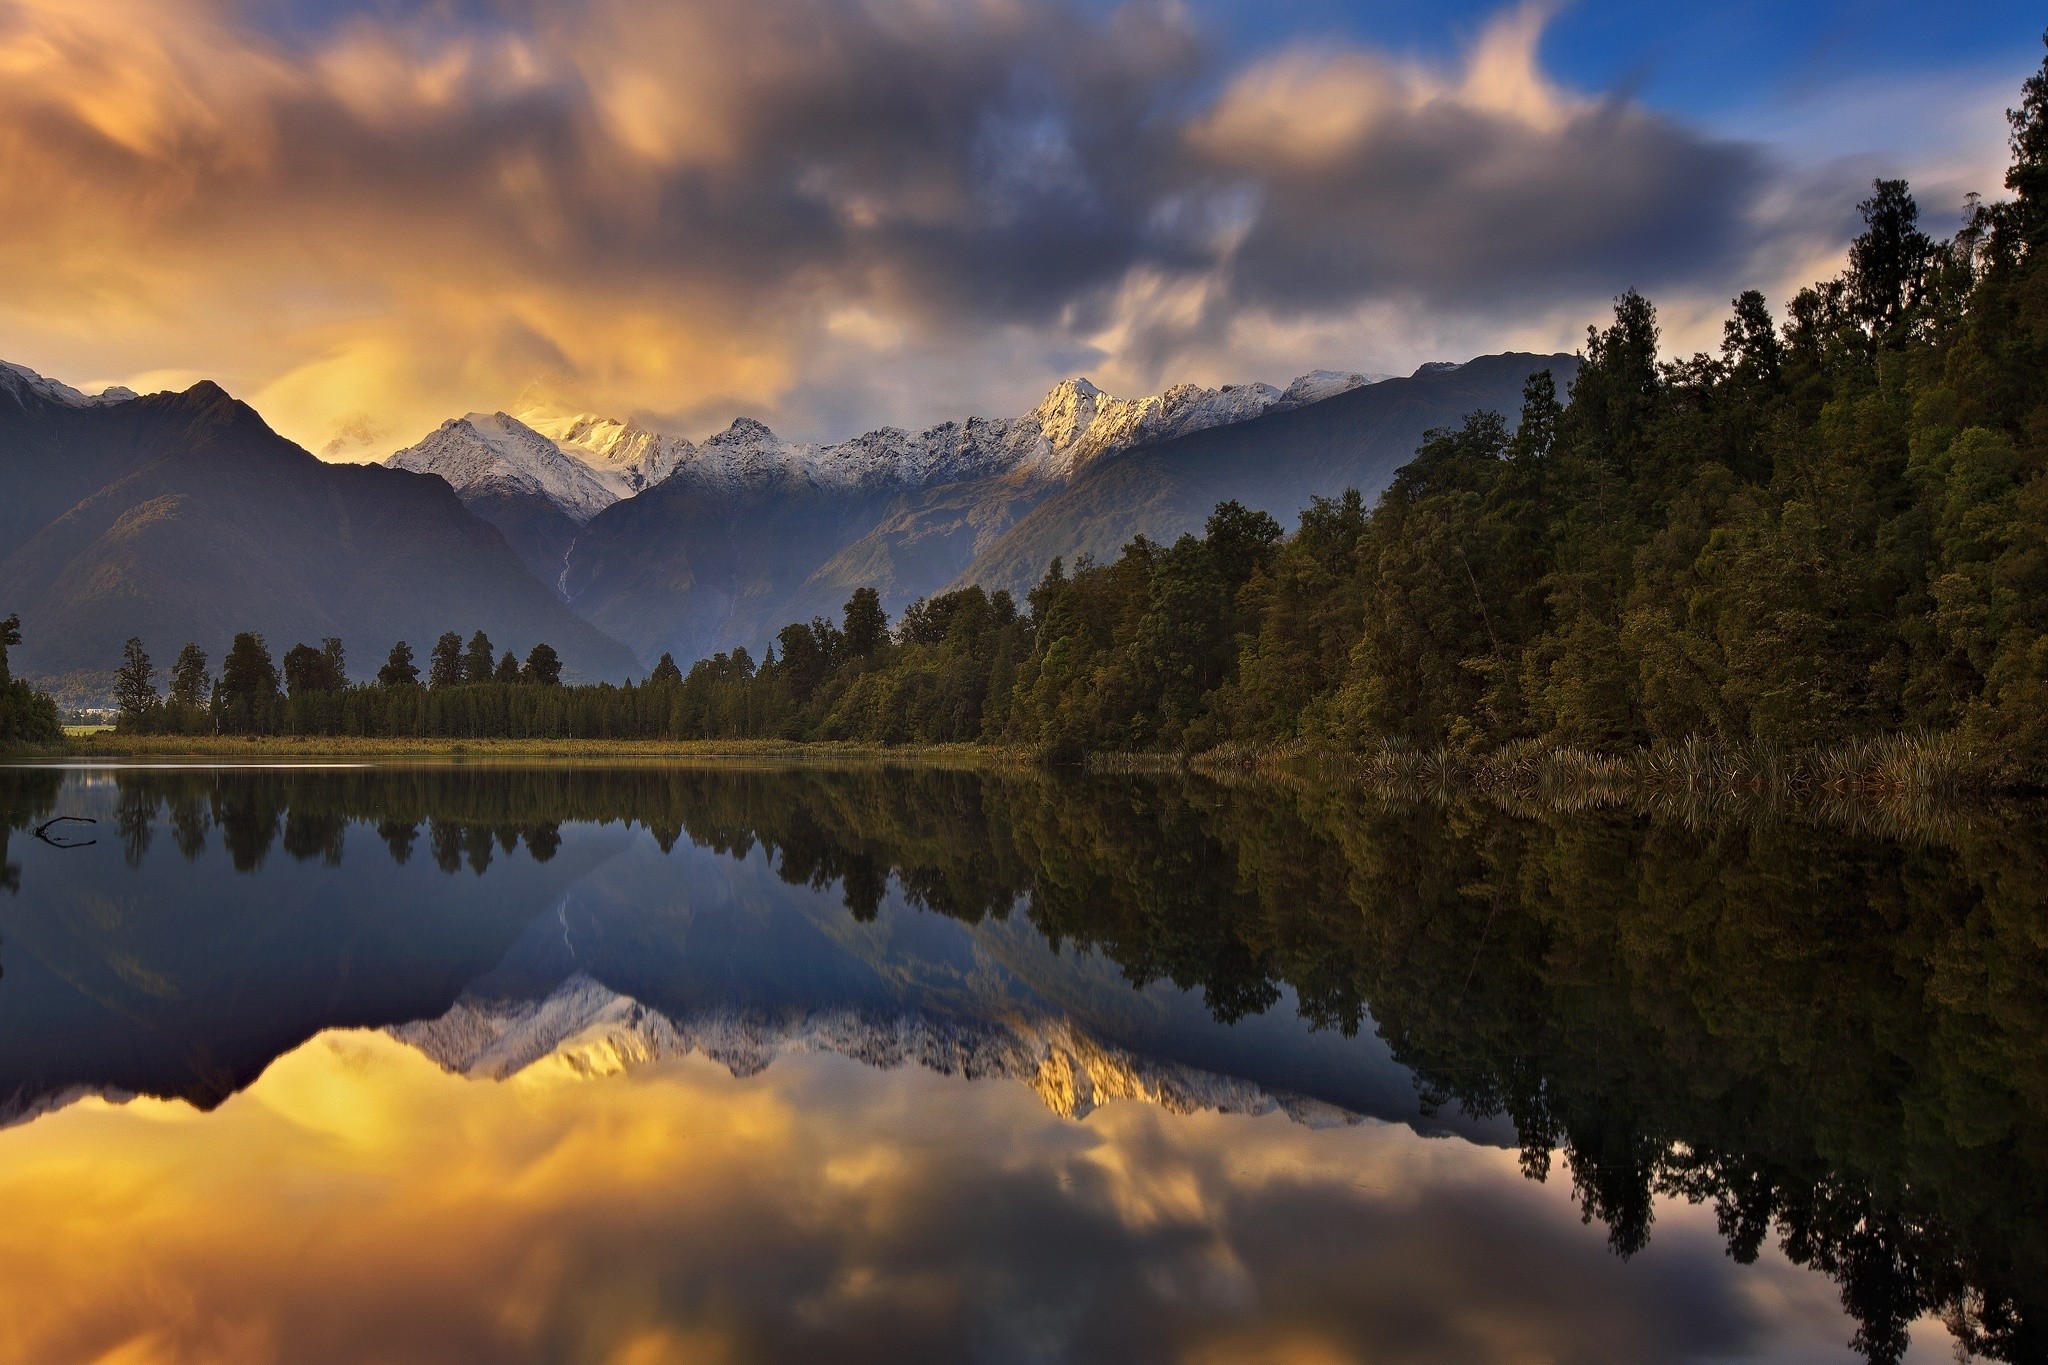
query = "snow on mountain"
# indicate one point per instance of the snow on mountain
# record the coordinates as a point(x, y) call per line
point(1081, 423)
point(1317, 385)
point(586, 1029)
point(586, 462)
point(626, 458)
point(495, 454)
point(21, 384)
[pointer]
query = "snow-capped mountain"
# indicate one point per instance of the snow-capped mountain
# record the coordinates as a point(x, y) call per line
point(1317, 385)
point(1076, 424)
point(624, 457)
point(588, 1029)
point(493, 454)
point(22, 384)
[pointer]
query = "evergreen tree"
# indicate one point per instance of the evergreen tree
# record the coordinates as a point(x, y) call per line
point(867, 625)
point(666, 671)
point(399, 669)
point(248, 685)
point(508, 669)
point(188, 678)
point(135, 683)
point(1888, 264)
point(543, 666)
point(444, 666)
point(479, 660)
point(308, 670)
point(337, 660)
point(26, 715)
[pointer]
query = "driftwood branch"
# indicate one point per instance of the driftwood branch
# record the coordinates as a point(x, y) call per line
point(42, 832)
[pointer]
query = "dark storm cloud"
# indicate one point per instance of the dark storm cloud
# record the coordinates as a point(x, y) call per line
point(682, 200)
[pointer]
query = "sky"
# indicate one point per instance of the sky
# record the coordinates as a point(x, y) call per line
point(367, 216)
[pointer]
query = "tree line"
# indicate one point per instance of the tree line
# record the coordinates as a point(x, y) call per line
point(1835, 527)
point(467, 685)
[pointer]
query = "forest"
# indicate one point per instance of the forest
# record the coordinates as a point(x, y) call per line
point(1835, 528)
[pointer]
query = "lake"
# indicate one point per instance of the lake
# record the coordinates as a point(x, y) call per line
point(643, 1064)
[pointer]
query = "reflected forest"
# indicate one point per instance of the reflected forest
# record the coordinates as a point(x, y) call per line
point(1830, 1033)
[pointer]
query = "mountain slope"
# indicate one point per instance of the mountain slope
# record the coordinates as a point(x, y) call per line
point(518, 480)
point(691, 570)
point(702, 563)
point(1273, 463)
point(184, 517)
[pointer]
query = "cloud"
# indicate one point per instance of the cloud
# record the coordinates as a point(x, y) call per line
point(358, 1203)
point(841, 211)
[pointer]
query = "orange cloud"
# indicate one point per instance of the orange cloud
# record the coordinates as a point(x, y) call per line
point(357, 1203)
point(838, 213)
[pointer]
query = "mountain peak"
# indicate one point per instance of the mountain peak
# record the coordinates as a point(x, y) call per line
point(24, 384)
point(494, 453)
point(747, 429)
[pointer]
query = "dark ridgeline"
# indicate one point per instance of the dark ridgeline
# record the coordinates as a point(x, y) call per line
point(184, 517)
point(1832, 1032)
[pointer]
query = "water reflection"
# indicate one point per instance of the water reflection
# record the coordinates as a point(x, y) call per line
point(1828, 1041)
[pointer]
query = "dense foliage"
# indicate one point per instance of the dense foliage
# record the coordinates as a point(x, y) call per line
point(26, 715)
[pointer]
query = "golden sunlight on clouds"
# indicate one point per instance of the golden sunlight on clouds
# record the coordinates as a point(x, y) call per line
point(846, 214)
point(1311, 107)
point(358, 1203)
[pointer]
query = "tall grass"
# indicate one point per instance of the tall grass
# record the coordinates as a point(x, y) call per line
point(1894, 783)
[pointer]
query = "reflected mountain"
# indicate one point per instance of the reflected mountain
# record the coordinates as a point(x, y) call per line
point(1836, 1038)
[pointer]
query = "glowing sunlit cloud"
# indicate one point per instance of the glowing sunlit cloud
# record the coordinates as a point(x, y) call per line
point(839, 214)
point(357, 1202)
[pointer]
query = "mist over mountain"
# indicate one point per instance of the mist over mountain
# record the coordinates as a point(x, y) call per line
point(183, 516)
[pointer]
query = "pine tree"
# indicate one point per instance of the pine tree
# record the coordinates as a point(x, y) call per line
point(10, 636)
point(444, 667)
point(188, 677)
point(337, 661)
point(135, 684)
point(543, 667)
point(508, 669)
point(399, 669)
point(480, 660)
point(666, 671)
point(248, 676)
point(308, 670)
point(867, 625)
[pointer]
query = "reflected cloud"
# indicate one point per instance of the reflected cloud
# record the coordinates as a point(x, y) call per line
point(359, 1203)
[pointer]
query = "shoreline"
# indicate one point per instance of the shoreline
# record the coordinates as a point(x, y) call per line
point(271, 748)
point(1885, 767)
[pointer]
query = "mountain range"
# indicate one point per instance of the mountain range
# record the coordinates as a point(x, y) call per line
point(687, 548)
point(179, 516)
point(182, 516)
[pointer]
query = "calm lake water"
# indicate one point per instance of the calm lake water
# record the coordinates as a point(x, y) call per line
point(640, 1065)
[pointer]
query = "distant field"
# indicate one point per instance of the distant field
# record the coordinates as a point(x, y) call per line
point(75, 731)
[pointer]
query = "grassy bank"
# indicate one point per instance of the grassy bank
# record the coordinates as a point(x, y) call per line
point(1918, 767)
point(108, 745)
